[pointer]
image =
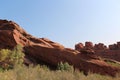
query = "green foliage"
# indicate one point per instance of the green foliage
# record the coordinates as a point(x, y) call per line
point(10, 58)
point(4, 54)
point(64, 67)
point(17, 55)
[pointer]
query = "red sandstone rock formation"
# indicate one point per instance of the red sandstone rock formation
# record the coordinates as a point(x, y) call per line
point(111, 52)
point(100, 46)
point(89, 45)
point(47, 51)
point(115, 46)
point(79, 46)
point(118, 45)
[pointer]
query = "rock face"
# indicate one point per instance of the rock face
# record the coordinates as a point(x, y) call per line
point(111, 52)
point(47, 51)
point(100, 46)
point(79, 46)
point(89, 45)
point(115, 46)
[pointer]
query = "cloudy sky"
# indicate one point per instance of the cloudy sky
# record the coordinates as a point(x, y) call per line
point(66, 21)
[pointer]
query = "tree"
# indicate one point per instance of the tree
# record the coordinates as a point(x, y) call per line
point(10, 58)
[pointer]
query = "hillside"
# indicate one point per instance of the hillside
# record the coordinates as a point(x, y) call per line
point(45, 51)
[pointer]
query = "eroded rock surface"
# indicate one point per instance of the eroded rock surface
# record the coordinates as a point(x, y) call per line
point(52, 53)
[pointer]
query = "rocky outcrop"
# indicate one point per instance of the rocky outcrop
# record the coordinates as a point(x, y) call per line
point(49, 52)
point(111, 52)
point(115, 46)
point(79, 46)
point(88, 45)
point(100, 46)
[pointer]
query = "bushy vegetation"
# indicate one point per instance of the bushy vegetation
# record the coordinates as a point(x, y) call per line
point(10, 58)
point(64, 67)
point(15, 70)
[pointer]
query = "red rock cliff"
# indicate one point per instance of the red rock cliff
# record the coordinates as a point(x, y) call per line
point(45, 50)
point(112, 51)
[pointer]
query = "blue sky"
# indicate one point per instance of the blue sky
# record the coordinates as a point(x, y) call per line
point(66, 21)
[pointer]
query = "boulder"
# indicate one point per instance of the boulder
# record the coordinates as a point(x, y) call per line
point(89, 45)
point(79, 46)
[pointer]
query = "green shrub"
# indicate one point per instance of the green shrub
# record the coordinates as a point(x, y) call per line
point(64, 66)
point(17, 56)
point(10, 58)
point(4, 54)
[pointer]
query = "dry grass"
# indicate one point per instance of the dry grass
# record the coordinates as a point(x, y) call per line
point(113, 64)
point(43, 73)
